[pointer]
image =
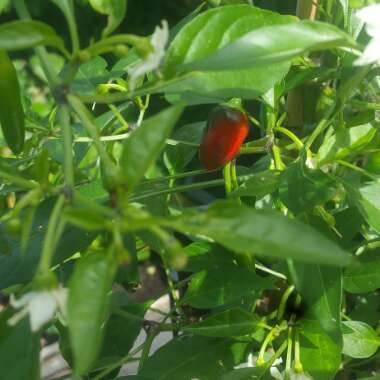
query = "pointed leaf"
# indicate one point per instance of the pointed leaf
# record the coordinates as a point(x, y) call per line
point(233, 322)
point(267, 233)
point(144, 145)
point(273, 44)
point(19, 35)
point(114, 9)
point(208, 289)
point(87, 307)
point(363, 276)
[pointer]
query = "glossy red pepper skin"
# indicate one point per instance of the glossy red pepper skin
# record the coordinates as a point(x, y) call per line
point(226, 130)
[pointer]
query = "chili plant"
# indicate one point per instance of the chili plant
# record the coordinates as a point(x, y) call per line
point(268, 256)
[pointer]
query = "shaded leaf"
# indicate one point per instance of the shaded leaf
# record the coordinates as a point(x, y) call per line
point(178, 156)
point(215, 287)
point(19, 350)
point(187, 358)
point(363, 276)
point(203, 256)
point(18, 268)
point(302, 189)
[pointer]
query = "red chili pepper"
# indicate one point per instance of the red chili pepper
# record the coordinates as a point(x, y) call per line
point(226, 130)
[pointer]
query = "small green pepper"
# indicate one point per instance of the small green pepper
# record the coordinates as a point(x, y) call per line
point(11, 111)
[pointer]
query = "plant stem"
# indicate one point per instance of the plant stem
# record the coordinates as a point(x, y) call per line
point(291, 135)
point(322, 125)
point(120, 362)
point(288, 364)
point(179, 189)
point(68, 162)
point(172, 290)
point(227, 179)
point(278, 163)
point(68, 12)
point(54, 230)
point(364, 105)
point(297, 360)
point(270, 336)
point(306, 9)
point(119, 117)
point(178, 176)
point(19, 181)
point(30, 198)
point(143, 108)
point(146, 349)
point(357, 169)
point(284, 300)
point(252, 150)
point(270, 271)
point(73, 29)
point(182, 188)
point(88, 122)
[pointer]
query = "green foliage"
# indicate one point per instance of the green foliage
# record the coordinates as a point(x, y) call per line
point(17, 35)
point(106, 213)
point(87, 306)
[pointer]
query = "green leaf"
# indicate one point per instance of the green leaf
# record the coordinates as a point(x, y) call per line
point(144, 145)
point(320, 354)
point(202, 36)
point(215, 29)
point(259, 185)
point(245, 373)
point(87, 307)
point(267, 233)
point(4, 6)
point(321, 291)
point(19, 35)
point(67, 8)
point(363, 276)
point(366, 198)
point(215, 87)
point(90, 74)
point(178, 156)
point(19, 350)
point(345, 142)
point(201, 256)
point(360, 341)
point(302, 189)
point(273, 44)
point(188, 358)
point(114, 9)
point(121, 331)
point(229, 323)
point(133, 377)
point(215, 287)
point(19, 268)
